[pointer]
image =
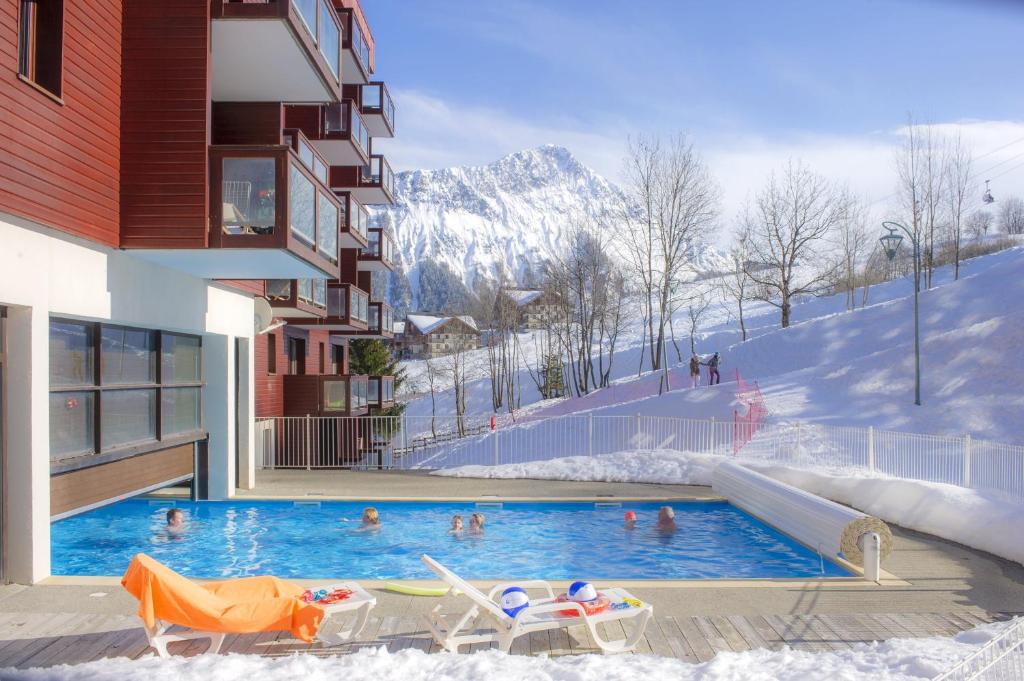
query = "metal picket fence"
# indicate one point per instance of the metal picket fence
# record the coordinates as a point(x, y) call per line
point(424, 442)
point(1001, 659)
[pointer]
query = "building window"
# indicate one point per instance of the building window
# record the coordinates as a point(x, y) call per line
point(113, 387)
point(321, 359)
point(338, 359)
point(296, 356)
point(271, 353)
point(40, 43)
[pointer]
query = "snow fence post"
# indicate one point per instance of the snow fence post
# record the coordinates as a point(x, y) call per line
point(405, 441)
point(309, 438)
point(712, 438)
point(638, 431)
point(967, 460)
point(871, 448)
point(590, 434)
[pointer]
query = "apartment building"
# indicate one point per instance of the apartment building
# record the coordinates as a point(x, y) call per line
point(423, 336)
point(175, 175)
point(527, 308)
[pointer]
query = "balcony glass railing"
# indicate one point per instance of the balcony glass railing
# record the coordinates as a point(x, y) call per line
point(378, 171)
point(279, 290)
point(313, 292)
point(359, 393)
point(358, 44)
point(248, 195)
point(360, 305)
point(327, 227)
point(377, 100)
point(388, 319)
point(374, 321)
point(330, 38)
point(359, 133)
point(387, 389)
point(301, 205)
point(337, 302)
point(379, 245)
point(336, 393)
point(373, 391)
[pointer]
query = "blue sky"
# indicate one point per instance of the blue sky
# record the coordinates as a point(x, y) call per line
point(474, 79)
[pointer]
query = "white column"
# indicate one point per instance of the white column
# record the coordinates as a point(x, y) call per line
point(28, 444)
point(246, 460)
point(219, 412)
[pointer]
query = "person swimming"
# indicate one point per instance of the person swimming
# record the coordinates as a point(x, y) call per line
point(456, 527)
point(371, 519)
point(666, 519)
point(175, 521)
point(476, 523)
point(630, 522)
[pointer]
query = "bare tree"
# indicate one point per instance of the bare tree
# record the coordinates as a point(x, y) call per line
point(736, 285)
point(958, 181)
point(853, 244)
point(786, 228)
point(672, 201)
point(1011, 215)
point(431, 380)
point(932, 151)
point(455, 365)
point(910, 169)
point(695, 309)
point(979, 223)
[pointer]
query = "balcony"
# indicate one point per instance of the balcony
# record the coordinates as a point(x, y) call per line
point(381, 322)
point(381, 391)
point(298, 297)
point(376, 105)
point(270, 203)
point(355, 221)
point(379, 254)
point(348, 309)
point(355, 51)
point(336, 130)
point(328, 395)
point(371, 184)
point(276, 51)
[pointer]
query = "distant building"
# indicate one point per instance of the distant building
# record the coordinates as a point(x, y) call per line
point(426, 336)
point(531, 308)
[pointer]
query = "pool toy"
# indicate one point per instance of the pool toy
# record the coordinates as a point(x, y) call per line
point(599, 604)
point(581, 592)
point(514, 599)
point(410, 590)
point(324, 597)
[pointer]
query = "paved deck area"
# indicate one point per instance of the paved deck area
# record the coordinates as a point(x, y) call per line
point(942, 588)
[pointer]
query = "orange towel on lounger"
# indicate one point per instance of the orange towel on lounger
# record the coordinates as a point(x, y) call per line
point(234, 606)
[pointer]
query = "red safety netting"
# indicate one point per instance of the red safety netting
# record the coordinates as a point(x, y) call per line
point(746, 425)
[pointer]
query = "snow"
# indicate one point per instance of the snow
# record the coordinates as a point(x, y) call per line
point(985, 521)
point(893, 660)
point(425, 323)
point(522, 296)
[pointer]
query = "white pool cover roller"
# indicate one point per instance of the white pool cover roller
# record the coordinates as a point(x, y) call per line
point(824, 525)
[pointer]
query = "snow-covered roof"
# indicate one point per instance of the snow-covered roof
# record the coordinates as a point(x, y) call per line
point(428, 324)
point(523, 296)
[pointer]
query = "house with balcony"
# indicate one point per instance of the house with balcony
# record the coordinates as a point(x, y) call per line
point(423, 336)
point(527, 309)
point(186, 245)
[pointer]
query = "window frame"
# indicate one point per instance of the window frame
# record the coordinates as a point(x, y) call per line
point(28, 51)
point(97, 453)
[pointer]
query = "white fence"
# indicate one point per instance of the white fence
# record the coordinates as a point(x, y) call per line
point(443, 442)
point(1001, 659)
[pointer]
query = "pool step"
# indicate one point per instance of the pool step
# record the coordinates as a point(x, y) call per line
point(305, 504)
point(490, 504)
point(598, 505)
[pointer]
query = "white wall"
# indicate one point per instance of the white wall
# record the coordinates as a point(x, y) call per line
point(43, 273)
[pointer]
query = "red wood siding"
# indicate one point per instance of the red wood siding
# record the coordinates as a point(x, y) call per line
point(269, 388)
point(165, 124)
point(247, 123)
point(60, 163)
point(254, 286)
point(348, 262)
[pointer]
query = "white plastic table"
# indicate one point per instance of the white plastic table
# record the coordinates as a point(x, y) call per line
point(359, 603)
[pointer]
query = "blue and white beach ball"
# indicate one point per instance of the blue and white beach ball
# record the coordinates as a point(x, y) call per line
point(582, 592)
point(514, 599)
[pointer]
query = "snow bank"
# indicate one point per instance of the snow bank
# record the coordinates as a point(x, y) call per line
point(896, 659)
point(984, 521)
point(652, 466)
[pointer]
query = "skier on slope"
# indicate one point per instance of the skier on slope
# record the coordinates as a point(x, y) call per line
point(714, 378)
point(694, 371)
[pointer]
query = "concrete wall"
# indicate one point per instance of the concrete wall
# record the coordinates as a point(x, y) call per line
point(43, 273)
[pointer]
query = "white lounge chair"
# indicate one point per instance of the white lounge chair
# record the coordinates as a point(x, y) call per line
point(485, 615)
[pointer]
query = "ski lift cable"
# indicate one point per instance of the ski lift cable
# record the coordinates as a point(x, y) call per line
point(1008, 170)
point(1009, 144)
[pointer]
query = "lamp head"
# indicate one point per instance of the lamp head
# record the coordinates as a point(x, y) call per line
point(891, 241)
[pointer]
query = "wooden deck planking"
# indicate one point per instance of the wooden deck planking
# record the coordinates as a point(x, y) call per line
point(40, 640)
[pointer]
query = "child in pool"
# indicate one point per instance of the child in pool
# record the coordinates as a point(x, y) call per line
point(630, 522)
point(666, 519)
point(456, 527)
point(175, 521)
point(476, 523)
point(371, 519)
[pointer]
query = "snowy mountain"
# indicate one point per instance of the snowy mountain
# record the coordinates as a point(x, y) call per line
point(503, 219)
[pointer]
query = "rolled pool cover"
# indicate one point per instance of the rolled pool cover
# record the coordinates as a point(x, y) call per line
point(824, 525)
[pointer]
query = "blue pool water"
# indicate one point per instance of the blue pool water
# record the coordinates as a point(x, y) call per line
point(521, 541)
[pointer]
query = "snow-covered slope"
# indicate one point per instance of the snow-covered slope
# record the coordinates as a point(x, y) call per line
point(503, 218)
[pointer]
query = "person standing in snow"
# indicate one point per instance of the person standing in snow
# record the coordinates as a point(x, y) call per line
point(714, 378)
point(694, 371)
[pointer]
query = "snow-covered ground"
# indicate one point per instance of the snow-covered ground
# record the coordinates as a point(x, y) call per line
point(893, 660)
point(983, 520)
point(831, 366)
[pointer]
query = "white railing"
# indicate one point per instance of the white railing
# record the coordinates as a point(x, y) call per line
point(424, 442)
point(1001, 659)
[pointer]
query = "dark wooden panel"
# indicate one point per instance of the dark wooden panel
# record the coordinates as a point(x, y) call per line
point(87, 486)
point(247, 123)
point(61, 160)
point(165, 124)
point(348, 263)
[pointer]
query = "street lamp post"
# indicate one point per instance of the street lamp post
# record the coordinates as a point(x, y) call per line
point(891, 243)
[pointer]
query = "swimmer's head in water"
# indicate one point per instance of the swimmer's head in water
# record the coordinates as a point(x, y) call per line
point(371, 516)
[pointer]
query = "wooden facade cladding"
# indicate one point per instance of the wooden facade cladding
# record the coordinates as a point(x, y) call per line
point(60, 164)
point(247, 123)
point(165, 124)
point(269, 387)
point(96, 484)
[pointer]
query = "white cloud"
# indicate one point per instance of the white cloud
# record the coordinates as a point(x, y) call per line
point(433, 133)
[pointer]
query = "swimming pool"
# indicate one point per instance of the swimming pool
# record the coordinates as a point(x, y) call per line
point(714, 540)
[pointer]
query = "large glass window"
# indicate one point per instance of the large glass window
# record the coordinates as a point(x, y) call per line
point(301, 205)
point(335, 395)
point(327, 223)
point(148, 385)
point(248, 195)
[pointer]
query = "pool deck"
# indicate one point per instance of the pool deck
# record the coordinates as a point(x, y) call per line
point(937, 588)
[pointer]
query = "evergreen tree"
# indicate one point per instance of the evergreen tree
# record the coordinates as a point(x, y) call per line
point(372, 356)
